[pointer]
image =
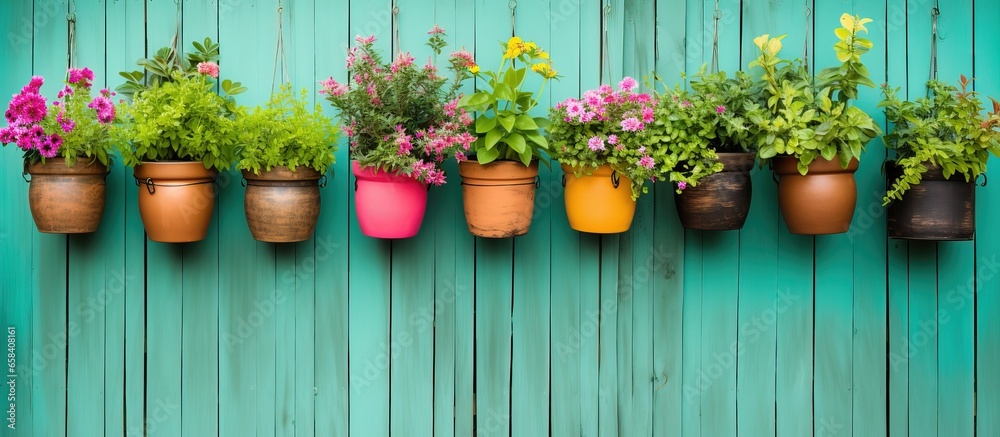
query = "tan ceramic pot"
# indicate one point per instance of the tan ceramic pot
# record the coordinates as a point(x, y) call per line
point(281, 205)
point(67, 200)
point(822, 201)
point(499, 197)
point(176, 200)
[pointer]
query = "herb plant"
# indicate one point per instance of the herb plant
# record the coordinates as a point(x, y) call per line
point(948, 129)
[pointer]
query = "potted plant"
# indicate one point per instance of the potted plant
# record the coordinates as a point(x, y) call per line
point(498, 187)
point(812, 132)
point(284, 153)
point(65, 151)
point(942, 144)
point(706, 129)
point(400, 133)
point(178, 133)
point(602, 143)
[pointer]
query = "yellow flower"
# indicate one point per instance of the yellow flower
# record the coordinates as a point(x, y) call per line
point(544, 69)
point(515, 47)
point(542, 54)
point(474, 69)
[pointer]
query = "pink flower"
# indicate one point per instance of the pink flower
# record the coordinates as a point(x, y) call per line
point(632, 124)
point(682, 185)
point(402, 60)
point(686, 104)
point(627, 84)
point(596, 143)
point(436, 30)
point(81, 76)
point(720, 109)
point(604, 89)
point(647, 115)
point(642, 149)
point(331, 87)
point(105, 109)
point(647, 162)
point(460, 157)
point(209, 68)
point(365, 40)
point(574, 108)
point(612, 139)
point(351, 56)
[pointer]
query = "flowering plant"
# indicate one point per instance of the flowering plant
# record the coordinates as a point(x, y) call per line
point(180, 116)
point(947, 129)
point(808, 117)
point(505, 129)
point(77, 125)
point(285, 133)
point(608, 127)
point(399, 117)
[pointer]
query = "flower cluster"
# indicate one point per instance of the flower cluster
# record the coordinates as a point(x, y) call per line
point(608, 126)
point(400, 117)
point(209, 68)
point(75, 125)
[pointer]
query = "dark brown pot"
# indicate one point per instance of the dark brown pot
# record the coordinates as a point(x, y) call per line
point(822, 201)
point(499, 197)
point(721, 201)
point(176, 200)
point(937, 208)
point(281, 205)
point(67, 200)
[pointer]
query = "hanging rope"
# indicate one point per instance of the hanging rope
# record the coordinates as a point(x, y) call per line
point(605, 45)
point(935, 12)
point(512, 5)
point(715, 39)
point(395, 29)
point(71, 48)
point(279, 52)
point(805, 47)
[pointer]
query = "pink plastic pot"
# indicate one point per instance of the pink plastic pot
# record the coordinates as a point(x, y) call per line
point(388, 205)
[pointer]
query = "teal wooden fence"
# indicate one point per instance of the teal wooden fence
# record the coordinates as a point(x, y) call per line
point(656, 332)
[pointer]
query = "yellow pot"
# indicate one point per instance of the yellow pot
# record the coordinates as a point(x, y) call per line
point(599, 203)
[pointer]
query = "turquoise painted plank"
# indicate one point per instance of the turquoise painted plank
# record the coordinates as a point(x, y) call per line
point(240, 346)
point(956, 260)
point(531, 359)
point(18, 300)
point(987, 297)
point(761, 249)
point(200, 307)
point(329, 263)
point(609, 421)
point(286, 356)
point(411, 375)
point(51, 330)
point(834, 299)
point(664, 262)
point(567, 320)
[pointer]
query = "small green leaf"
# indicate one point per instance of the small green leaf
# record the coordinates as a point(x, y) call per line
point(485, 124)
point(507, 121)
point(492, 138)
point(525, 122)
point(486, 156)
point(516, 142)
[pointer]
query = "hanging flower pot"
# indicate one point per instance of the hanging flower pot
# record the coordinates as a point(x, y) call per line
point(938, 208)
point(176, 200)
point(721, 200)
point(499, 197)
point(388, 205)
point(281, 205)
point(67, 199)
point(822, 201)
point(599, 203)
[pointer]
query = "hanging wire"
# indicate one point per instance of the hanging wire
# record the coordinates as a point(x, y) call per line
point(71, 48)
point(605, 45)
point(715, 39)
point(395, 28)
point(935, 13)
point(279, 50)
point(805, 47)
point(512, 5)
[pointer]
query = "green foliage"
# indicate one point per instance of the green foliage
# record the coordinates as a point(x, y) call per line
point(162, 66)
point(504, 128)
point(723, 103)
point(809, 117)
point(947, 129)
point(179, 119)
point(285, 133)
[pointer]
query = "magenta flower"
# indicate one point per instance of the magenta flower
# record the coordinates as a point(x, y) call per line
point(632, 124)
point(574, 109)
point(647, 162)
point(209, 68)
point(81, 76)
point(720, 109)
point(647, 115)
point(596, 143)
point(460, 157)
point(436, 30)
point(682, 185)
point(686, 104)
point(365, 40)
point(627, 84)
point(402, 60)
point(612, 139)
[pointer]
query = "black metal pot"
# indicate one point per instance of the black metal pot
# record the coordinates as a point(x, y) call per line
point(721, 201)
point(937, 208)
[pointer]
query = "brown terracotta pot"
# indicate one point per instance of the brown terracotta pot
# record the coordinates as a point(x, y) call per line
point(938, 208)
point(67, 200)
point(822, 201)
point(499, 197)
point(281, 205)
point(721, 201)
point(176, 200)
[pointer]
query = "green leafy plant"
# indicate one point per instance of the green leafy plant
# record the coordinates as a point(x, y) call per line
point(160, 68)
point(504, 127)
point(807, 117)
point(609, 127)
point(285, 133)
point(399, 117)
point(947, 129)
point(76, 125)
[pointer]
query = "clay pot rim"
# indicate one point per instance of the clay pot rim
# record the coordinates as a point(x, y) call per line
point(788, 166)
point(173, 170)
point(503, 170)
point(58, 166)
point(282, 173)
point(374, 175)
